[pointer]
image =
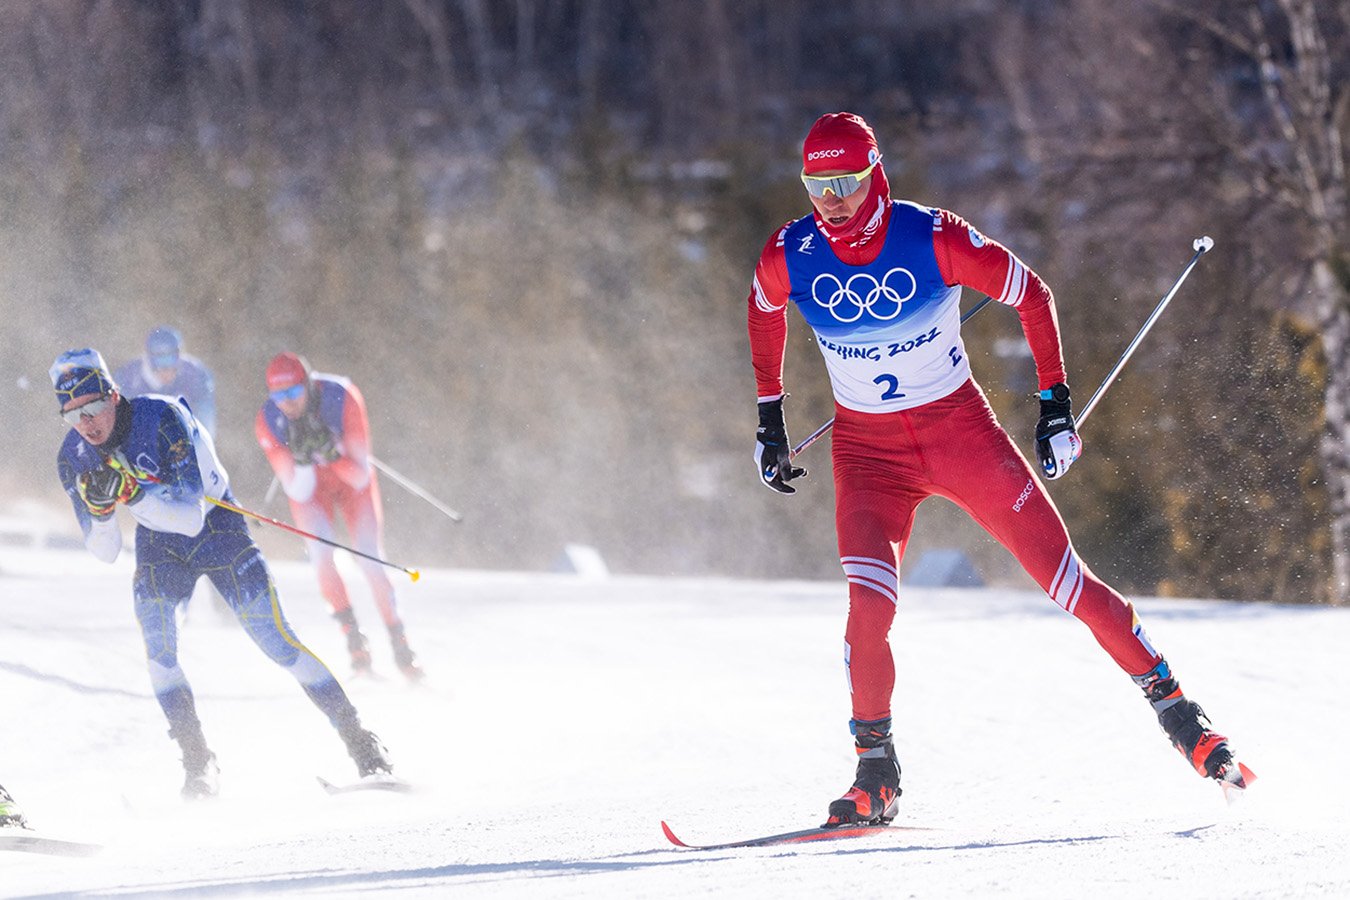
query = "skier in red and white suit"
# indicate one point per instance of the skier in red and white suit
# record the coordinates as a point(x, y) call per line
point(316, 435)
point(879, 281)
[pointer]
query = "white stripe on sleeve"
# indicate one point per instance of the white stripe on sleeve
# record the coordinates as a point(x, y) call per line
point(1015, 283)
point(762, 299)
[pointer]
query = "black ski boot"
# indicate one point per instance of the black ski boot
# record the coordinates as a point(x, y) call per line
point(403, 655)
point(874, 798)
point(10, 814)
point(1191, 732)
point(366, 751)
point(1189, 729)
point(356, 642)
point(201, 774)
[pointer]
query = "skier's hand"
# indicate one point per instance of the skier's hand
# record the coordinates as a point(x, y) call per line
point(130, 491)
point(105, 487)
point(311, 442)
point(773, 451)
point(301, 483)
point(1057, 441)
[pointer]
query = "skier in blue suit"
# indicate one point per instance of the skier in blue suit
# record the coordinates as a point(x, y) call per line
point(165, 369)
point(151, 455)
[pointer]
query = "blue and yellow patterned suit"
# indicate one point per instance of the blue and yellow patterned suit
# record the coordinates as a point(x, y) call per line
point(181, 536)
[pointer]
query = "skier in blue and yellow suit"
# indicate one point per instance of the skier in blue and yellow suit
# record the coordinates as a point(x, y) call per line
point(150, 454)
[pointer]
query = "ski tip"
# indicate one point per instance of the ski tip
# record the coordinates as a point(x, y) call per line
point(1237, 782)
point(670, 835)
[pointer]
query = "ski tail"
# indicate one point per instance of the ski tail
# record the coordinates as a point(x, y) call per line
point(26, 841)
point(381, 781)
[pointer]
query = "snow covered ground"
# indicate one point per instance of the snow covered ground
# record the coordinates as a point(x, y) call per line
point(564, 718)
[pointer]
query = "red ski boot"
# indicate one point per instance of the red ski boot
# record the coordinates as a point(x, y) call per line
point(1191, 732)
point(356, 642)
point(403, 654)
point(874, 798)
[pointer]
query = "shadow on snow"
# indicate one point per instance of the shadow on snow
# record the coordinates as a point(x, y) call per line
point(481, 873)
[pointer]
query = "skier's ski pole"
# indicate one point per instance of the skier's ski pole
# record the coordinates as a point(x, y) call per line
point(812, 438)
point(223, 504)
point(412, 573)
point(412, 488)
point(820, 432)
point(1201, 245)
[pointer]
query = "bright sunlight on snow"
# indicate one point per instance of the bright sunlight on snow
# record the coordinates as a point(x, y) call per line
point(563, 718)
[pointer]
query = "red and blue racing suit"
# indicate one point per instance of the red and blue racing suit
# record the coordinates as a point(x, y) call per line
point(911, 422)
point(345, 484)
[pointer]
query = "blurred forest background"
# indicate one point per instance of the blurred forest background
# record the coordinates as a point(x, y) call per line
point(526, 229)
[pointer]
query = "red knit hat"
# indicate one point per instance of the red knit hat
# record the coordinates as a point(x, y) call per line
point(839, 140)
point(287, 370)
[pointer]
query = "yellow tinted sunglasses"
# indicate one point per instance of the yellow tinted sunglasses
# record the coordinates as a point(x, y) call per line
point(839, 185)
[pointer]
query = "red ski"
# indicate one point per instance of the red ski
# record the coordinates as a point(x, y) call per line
point(806, 835)
point(1235, 780)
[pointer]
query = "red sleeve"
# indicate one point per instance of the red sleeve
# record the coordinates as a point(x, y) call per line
point(968, 258)
point(278, 454)
point(767, 317)
point(353, 466)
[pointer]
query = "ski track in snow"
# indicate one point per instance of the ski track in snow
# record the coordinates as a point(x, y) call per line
point(563, 718)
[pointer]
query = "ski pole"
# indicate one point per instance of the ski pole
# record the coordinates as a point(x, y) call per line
point(412, 488)
point(820, 432)
point(1201, 245)
point(412, 573)
point(223, 504)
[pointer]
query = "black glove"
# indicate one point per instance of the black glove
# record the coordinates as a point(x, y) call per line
point(773, 451)
point(1057, 441)
point(102, 488)
point(310, 441)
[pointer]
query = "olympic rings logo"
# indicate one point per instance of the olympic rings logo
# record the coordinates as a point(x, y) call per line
point(862, 293)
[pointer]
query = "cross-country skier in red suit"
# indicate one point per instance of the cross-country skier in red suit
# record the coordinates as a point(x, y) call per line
point(879, 281)
point(316, 435)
